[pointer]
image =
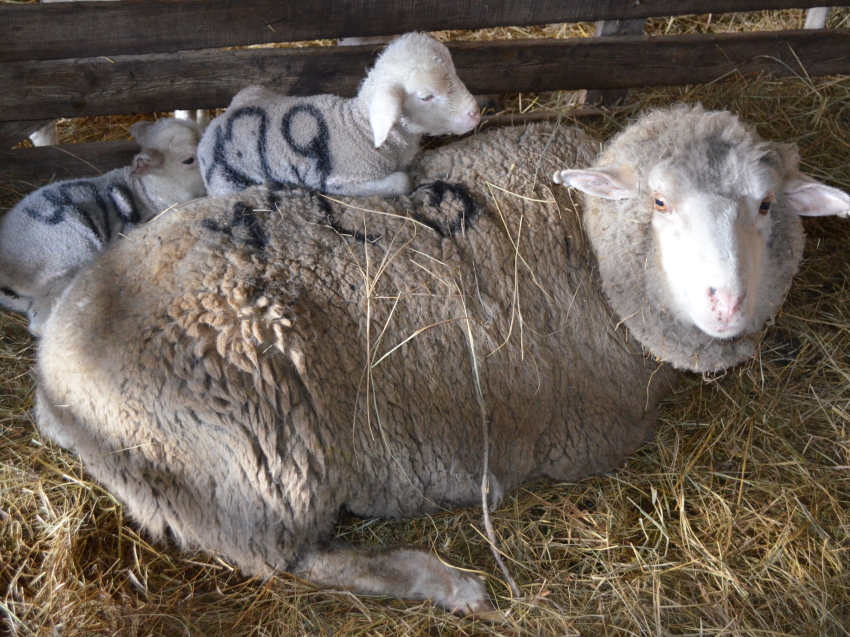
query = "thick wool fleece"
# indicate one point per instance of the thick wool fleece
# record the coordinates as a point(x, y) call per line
point(281, 355)
point(323, 142)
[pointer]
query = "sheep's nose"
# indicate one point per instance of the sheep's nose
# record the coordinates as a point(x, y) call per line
point(724, 304)
point(474, 115)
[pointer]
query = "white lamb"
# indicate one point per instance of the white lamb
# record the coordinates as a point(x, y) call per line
point(55, 231)
point(359, 146)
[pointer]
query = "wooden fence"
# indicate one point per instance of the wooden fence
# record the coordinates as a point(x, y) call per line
point(136, 56)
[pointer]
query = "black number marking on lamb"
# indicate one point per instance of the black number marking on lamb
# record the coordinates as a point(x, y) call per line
point(317, 149)
point(224, 141)
point(436, 195)
point(124, 203)
point(330, 219)
point(89, 202)
point(10, 293)
point(244, 216)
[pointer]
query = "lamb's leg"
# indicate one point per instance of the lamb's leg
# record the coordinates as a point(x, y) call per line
point(393, 185)
point(397, 572)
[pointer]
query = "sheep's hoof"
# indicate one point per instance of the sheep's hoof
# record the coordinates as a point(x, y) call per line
point(557, 177)
point(483, 611)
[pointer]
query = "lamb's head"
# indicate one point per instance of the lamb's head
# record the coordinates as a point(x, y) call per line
point(168, 163)
point(414, 84)
point(699, 217)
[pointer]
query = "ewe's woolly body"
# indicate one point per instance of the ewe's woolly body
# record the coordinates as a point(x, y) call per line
point(281, 356)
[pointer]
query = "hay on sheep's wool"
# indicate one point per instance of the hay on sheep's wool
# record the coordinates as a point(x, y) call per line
point(735, 520)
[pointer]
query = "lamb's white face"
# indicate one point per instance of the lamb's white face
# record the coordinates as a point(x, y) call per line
point(168, 163)
point(437, 103)
point(712, 248)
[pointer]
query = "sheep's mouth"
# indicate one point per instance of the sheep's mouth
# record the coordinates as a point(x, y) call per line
point(723, 330)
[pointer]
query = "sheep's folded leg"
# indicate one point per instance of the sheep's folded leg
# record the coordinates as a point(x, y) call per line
point(393, 185)
point(402, 572)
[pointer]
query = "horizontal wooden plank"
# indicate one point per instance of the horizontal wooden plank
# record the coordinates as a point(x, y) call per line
point(68, 161)
point(90, 29)
point(208, 79)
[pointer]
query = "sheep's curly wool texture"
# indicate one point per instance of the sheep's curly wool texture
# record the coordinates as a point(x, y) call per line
point(628, 258)
point(281, 355)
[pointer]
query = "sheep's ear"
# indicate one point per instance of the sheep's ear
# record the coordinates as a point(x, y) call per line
point(139, 131)
point(385, 110)
point(810, 198)
point(147, 161)
point(607, 182)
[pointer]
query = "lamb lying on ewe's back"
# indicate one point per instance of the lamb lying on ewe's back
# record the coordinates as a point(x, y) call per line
point(58, 229)
point(359, 146)
point(277, 358)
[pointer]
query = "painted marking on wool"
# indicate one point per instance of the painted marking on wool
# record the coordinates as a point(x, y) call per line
point(244, 217)
point(440, 192)
point(232, 155)
point(81, 198)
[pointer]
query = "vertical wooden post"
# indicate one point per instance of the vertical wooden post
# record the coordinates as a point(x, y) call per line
point(610, 97)
point(816, 17)
point(13, 133)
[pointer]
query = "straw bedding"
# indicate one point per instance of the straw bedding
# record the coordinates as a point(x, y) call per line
point(735, 520)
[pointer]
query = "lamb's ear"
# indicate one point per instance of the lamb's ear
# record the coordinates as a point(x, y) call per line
point(385, 110)
point(810, 198)
point(139, 131)
point(146, 161)
point(613, 181)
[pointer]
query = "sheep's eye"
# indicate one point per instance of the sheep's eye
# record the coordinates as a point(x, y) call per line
point(661, 204)
point(189, 161)
point(764, 207)
point(427, 98)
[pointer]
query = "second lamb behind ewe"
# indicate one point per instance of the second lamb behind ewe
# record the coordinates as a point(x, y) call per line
point(56, 230)
point(262, 370)
point(359, 146)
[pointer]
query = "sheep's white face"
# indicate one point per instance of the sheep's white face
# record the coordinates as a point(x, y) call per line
point(414, 84)
point(168, 162)
point(712, 206)
point(437, 103)
point(712, 245)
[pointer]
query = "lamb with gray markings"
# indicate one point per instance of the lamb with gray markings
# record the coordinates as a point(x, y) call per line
point(55, 231)
point(280, 356)
point(359, 146)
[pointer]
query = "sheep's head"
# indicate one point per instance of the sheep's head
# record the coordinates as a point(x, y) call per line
point(168, 162)
point(414, 84)
point(709, 213)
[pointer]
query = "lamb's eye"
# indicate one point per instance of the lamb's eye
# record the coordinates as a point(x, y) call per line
point(427, 98)
point(189, 161)
point(661, 204)
point(764, 207)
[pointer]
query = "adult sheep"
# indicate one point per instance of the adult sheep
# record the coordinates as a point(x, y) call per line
point(280, 357)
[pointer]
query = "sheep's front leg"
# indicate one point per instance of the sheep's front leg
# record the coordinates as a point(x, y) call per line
point(393, 185)
point(402, 572)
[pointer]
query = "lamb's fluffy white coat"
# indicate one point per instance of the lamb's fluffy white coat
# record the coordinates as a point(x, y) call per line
point(59, 228)
point(359, 146)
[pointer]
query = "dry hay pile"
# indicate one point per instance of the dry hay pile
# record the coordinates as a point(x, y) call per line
point(735, 520)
